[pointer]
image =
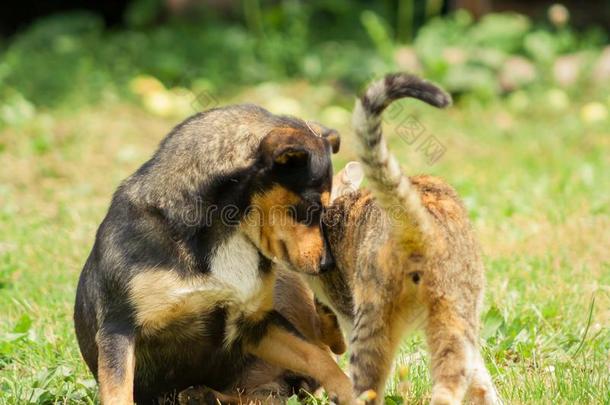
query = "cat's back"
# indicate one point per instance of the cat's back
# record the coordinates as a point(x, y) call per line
point(440, 199)
point(450, 216)
point(455, 266)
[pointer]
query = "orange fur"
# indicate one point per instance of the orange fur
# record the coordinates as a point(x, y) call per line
point(409, 259)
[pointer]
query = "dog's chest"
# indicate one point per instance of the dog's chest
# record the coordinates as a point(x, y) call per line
point(163, 298)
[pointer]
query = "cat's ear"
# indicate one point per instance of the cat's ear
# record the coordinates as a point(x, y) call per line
point(333, 138)
point(347, 180)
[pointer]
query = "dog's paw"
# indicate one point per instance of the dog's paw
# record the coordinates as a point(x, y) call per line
point(197, 396)
point(300, 385)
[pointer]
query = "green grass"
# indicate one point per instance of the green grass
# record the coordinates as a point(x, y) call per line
point(535, 181)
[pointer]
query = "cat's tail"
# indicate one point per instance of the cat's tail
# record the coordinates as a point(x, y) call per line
point(393, 190)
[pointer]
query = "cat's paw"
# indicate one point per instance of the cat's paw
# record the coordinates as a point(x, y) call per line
point(442, 396)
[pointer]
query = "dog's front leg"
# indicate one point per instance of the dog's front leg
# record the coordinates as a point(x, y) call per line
point(116, 363)
point(285, 349)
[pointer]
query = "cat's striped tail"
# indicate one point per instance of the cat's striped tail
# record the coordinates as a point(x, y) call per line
point(393, 190)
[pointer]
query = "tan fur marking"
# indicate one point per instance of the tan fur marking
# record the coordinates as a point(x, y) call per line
point(163, 297)
point(283, 159)
point(325, 198)
point(113, 390)
point(272, 227)
point(330, 332)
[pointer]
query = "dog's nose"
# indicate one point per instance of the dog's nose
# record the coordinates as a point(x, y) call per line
point(327, 262)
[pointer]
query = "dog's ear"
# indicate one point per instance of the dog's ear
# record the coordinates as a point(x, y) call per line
point(331, 135)
point(284, 148)
point(291, 156)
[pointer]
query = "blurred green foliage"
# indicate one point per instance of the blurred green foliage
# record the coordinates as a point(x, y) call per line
point(73, 59)
point(526, 149)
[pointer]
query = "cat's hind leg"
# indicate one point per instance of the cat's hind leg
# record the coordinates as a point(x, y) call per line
point(452, 355)
point(482, 390)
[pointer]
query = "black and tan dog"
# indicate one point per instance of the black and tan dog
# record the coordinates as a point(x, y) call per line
point(178, 288)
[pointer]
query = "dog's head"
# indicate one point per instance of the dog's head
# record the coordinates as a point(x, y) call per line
point(295, 178)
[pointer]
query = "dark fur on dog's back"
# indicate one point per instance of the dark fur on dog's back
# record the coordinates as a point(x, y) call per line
point(178, 288)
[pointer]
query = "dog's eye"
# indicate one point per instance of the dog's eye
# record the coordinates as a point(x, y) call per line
point(307, 213)
point(298, 212)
